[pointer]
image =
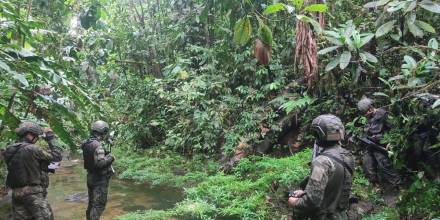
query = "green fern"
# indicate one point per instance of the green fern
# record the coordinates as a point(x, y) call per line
point(296, 104)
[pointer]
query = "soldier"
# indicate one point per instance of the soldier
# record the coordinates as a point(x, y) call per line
point(376, 164)
point(25, 160)
point(421, 155)
point(98, 163)
point(328, 189)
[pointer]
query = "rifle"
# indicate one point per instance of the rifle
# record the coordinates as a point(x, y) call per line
point(110, 144)
point(372, 144)
point(316, 150)
point(304, 182)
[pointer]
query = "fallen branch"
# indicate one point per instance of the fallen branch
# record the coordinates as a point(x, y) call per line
point(409, 47)
point(423, 88)
point(131, 61)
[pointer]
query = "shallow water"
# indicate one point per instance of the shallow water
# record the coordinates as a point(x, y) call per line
point(124, 196)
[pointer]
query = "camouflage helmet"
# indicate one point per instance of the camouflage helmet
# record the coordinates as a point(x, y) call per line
point(100, 127)
point(364, 104)
point(328, 128)
point(29, 127)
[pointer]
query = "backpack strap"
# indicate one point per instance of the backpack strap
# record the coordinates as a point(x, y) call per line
point(344, 164)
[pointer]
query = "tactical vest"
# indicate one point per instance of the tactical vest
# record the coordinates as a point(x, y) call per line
point(339, 186)
point(23, 168)
point(89, 149)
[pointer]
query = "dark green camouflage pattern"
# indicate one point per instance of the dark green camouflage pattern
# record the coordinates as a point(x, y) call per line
point(97, 200)
point(328, 188)
point(29, 203)
point(98, 163)
point(29, 127)
point(101, 127)
point(376, 165)
point(328, 128)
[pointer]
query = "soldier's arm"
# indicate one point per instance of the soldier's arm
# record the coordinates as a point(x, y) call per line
point(311, 201)
point(51, 155)
point(53, 145)
point(382, 118)
point(102, 160)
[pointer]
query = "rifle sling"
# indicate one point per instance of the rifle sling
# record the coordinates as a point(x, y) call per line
point(345, 165)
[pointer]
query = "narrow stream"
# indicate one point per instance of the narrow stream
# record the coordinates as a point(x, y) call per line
point(68, 197)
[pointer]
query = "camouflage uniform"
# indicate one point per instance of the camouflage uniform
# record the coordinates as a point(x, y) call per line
point(98, 165)
point(30, 203)
point(45, 180)
point(377, 166)
point(25, 175)
point(329, 185)
point(421, 155)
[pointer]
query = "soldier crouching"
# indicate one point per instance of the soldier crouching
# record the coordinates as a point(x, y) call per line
point(376, 164)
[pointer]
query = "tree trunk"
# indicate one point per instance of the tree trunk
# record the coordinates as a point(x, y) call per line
point(209, 24)
point(306, 50)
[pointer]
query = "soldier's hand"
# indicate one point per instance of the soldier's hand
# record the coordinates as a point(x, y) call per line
point(298, 193)
point(292, 201)
point(352, 139)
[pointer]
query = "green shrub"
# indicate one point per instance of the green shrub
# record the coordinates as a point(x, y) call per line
point(363, 189)
point(242, 194)
point(163, 168)
point(421, 199)
point(384, 214)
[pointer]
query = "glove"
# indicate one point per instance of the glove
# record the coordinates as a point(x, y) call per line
point(48, 134)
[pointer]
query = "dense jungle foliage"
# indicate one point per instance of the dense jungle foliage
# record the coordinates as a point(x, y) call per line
point(187, 85)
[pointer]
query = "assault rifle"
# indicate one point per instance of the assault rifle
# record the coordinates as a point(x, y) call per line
point(110, 143)
point(372, 144)
point(316, 151)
